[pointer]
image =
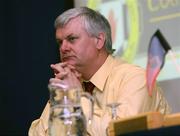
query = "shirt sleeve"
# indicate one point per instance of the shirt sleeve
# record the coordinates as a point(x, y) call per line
point(39, 127)
point(134, 97)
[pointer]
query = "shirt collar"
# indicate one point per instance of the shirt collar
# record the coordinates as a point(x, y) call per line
point(100, 77)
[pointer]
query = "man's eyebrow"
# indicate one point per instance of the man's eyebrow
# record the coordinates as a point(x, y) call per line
point(66, 37)
point(70, 35)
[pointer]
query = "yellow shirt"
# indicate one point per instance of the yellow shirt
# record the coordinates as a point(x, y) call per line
point(115, 81)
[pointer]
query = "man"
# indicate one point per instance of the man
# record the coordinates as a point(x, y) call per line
point(85, 45)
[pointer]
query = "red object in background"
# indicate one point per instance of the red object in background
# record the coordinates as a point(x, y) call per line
point(157, 51)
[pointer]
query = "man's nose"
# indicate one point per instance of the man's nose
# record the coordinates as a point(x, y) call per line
point(64, 46)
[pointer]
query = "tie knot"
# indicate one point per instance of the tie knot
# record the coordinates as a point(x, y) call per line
point(88, 86)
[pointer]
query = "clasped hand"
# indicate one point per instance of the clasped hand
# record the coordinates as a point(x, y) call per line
point(65, 74)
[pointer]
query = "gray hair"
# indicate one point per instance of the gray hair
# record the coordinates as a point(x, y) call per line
point(94, 22)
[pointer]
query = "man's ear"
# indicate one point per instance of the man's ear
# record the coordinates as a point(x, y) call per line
point(100, 40)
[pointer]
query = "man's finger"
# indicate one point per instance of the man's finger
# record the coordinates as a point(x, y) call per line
point(59, 67)
point(61, 75)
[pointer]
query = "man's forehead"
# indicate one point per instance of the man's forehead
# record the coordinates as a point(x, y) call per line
point(66, 35)
point(63, 32)
point(73, 27)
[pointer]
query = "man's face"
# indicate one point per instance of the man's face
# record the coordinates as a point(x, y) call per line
point(75, 45)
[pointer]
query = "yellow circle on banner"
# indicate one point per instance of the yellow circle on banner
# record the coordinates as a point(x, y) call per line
point(133, 20)
point(133, 39)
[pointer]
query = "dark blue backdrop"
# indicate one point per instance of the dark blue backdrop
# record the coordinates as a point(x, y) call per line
point(27, 48)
